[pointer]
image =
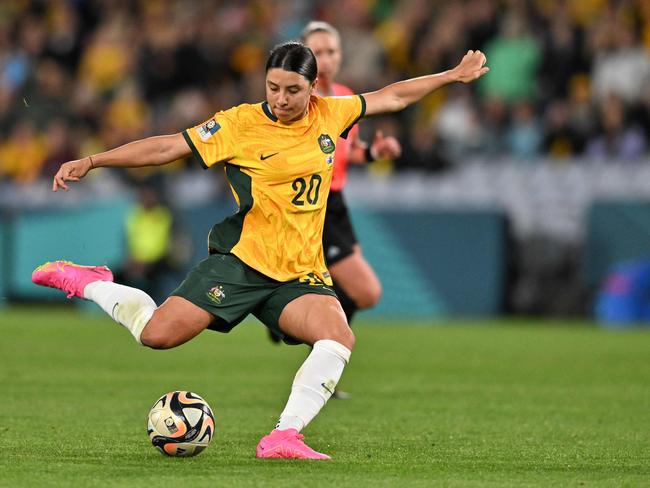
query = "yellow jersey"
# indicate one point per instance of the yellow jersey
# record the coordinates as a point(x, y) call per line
point(280, 176)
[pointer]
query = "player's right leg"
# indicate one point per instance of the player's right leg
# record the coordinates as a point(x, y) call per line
point(314, 317)
point(170, 325)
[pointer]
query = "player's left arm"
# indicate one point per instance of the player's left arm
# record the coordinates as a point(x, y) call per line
point(397, 96)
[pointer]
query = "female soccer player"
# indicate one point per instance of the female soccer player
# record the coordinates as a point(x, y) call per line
point(267, 259)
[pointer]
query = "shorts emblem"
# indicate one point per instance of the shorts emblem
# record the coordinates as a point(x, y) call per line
point(216, 294)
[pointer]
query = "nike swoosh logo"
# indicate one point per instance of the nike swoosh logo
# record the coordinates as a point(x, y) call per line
point(325, 386)
point(262, 157)
point(113, 311)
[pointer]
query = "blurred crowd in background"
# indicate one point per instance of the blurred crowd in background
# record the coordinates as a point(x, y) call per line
point(569, 80)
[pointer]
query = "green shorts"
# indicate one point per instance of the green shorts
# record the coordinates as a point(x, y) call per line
point(229, 289)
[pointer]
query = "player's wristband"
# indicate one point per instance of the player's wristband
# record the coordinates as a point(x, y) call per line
point(368, 154)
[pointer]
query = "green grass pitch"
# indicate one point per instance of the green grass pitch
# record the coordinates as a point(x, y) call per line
point(511, 403)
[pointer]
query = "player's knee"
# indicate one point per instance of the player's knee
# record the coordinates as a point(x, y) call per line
point(157, 336)
point(156, 341)
point(351, 338)
point(369, 296)
point(345, 336)
point(341, 333)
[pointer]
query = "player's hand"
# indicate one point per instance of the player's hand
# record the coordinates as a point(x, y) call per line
point(71, 171)
point(471, 67)
point(385, 147)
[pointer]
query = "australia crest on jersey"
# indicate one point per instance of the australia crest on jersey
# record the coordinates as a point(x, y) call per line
point(216, 294)
point(207, 130)
point(326, 143)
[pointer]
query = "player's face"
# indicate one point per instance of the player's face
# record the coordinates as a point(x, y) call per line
point(327, 50)
point(287, 93)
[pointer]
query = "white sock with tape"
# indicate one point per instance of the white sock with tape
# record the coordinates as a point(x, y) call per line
point(314, 384)
point(129, 307)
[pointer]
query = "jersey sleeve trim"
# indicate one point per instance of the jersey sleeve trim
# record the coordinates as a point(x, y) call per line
point(195, 151)
point(346, 132)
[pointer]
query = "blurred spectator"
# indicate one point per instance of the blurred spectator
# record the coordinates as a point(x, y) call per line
point(561, 140)
point(362, 54)
point(126, 115)
point(159, 63)
point(514, 57)
point(562, 53)
point(615, 140)
point(421, 150)
point(108, 57)
point(397, 32)
point(149, 238)
point(582, 118)
point(641, 112)
point(494, 126)
point(621, 64)
point(457, 125)
point(524, 137)
point(22, 155)
point(59, 147)
point(64, 41)
point(481, 22)
point(45, 95)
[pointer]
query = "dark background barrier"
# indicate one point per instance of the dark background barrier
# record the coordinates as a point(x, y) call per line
point(449, 262)
point(616, 231)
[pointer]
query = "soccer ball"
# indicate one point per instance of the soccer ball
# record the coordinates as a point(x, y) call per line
point(180, 423)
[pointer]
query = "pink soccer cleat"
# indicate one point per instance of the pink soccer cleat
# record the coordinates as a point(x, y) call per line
point(286, 444)
point(69, 277)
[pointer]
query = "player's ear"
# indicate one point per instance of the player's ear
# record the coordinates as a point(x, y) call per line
point(312, 87)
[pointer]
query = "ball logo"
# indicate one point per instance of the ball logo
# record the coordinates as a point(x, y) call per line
point(171, 425)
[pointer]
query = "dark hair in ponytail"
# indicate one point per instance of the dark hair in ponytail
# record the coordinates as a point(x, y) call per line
point(293, 56)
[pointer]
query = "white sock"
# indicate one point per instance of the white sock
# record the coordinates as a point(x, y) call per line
point(128, 306)
point(314, 384)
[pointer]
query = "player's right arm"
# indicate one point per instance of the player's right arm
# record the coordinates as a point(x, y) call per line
point(152, 151)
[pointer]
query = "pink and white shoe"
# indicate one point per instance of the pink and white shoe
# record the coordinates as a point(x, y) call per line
point(286, 444)
point(69, 277)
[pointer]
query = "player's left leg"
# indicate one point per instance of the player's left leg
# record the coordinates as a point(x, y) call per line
point(317, 320)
